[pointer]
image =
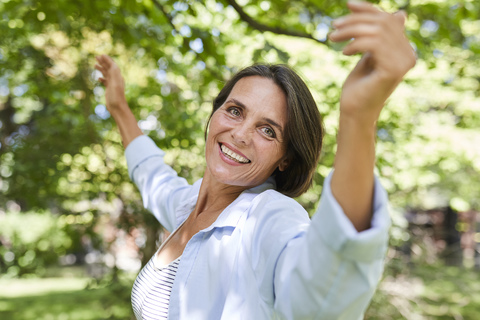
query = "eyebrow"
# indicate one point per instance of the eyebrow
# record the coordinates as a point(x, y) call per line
point(268, 120)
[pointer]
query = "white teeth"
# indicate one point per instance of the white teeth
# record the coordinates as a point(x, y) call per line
point(232, 155)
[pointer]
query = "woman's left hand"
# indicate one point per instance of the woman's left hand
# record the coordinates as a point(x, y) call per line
point(387, 57)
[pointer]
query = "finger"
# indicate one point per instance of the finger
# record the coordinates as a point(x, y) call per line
point(100, 59)
point(366, 62)
point(105, 61)
point(103, 81)
point(110, 61)
point(401, 16)
point(354, 31)
point(355, 19)
point(361, 45)
point(361, 6)
point(100, 68)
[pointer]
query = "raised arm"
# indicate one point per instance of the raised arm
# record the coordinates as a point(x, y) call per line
point(161, 189)
point(115, 99)
point(387, 57)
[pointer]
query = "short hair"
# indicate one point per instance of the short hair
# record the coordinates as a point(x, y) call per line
point(303, 131)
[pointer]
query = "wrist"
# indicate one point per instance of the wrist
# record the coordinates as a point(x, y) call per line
point(358, 121)
point(119, 108)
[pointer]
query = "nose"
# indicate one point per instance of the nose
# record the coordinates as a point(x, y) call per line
point(242, 134)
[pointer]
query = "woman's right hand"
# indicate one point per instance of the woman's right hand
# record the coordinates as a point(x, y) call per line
point(113, 81)
point(115, 99)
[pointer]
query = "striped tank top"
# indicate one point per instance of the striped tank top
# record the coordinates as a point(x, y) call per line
point(151, 290)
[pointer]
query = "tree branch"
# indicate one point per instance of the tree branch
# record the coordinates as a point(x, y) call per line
point(165, 13)
point(170, 21)
point(262, 27)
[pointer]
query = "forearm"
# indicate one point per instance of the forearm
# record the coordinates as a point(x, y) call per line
point(353, 180)
point(387, 57)
point(126, 122)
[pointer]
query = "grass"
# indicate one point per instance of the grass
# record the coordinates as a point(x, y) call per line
point(428, 292)
point(63, 299)
point(424, 292)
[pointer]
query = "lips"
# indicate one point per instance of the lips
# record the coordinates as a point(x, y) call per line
point(230, 154)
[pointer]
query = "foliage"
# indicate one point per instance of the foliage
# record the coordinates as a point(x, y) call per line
point(32, 241)
point(58, 143)
point(60, 152)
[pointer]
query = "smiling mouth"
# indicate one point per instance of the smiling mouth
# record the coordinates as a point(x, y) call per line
point(232, 155)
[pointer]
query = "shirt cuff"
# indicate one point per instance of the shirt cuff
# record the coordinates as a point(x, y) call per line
point(338, 232)
point(139, 150)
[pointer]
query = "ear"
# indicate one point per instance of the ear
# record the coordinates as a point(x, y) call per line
point(283, 165)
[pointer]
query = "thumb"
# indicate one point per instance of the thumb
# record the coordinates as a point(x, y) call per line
point(400, 16)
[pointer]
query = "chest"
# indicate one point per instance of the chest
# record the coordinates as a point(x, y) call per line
point(217, 279)
point(175, 245)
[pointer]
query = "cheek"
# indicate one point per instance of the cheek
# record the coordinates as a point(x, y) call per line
point(269, 158)
point(220, 117)
point(271, 151)
point(214, 127)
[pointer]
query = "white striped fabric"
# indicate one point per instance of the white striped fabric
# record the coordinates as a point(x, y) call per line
point(151, 290)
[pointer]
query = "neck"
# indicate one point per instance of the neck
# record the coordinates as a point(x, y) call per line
point(214, 196)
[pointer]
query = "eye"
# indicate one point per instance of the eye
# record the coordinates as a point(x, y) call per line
point(234, 111)
point(269, 132)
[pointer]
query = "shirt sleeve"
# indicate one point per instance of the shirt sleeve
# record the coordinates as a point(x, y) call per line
point(161, 189)
point(331, 271)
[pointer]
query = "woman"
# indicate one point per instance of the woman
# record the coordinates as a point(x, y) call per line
point(240, 247)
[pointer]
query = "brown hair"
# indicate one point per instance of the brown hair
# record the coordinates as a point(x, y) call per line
point(304, 129)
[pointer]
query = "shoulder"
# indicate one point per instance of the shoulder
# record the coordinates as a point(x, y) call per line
point(274, 201)
point(278, 213)
point(272, 221)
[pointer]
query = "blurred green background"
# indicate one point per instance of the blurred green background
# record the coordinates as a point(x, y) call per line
point(73, 231)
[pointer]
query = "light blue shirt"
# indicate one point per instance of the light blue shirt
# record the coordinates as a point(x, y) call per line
point(263, 258)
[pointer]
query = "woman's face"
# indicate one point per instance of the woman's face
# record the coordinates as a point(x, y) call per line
point(245, 142)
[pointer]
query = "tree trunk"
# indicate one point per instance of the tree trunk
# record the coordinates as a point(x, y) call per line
point(453, 254)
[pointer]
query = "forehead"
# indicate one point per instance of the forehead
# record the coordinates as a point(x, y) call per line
point(261, 95)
